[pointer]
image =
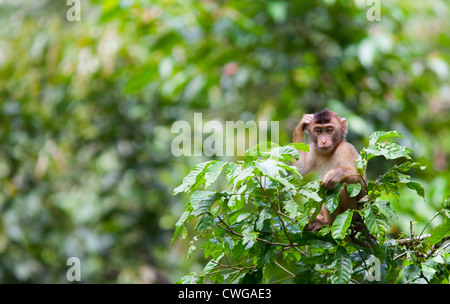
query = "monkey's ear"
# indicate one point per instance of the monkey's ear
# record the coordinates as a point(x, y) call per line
point(344, 125)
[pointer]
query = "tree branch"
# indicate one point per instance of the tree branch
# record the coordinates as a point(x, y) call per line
point(410, 241)
point(229, 230)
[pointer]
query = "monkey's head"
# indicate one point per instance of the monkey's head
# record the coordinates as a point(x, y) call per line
point(327, 130)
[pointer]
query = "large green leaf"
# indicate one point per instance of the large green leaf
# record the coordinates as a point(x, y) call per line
point(263, 215)
point(332, 197)
point(310, 194)
point(387, 149)
point(300, 146)
point(249, 236)
point(239, 175)
point(205, 222)
point(213, 171)
point(354, 189)
point(292, 208)
point(385, 209)
point(343, 265)
point(417, 187)
point(202, 200)
point(179, 226)
point(194, 178)
point(341, 224)
point(380, 135)
point(440, 231)
point(271, 169)
point(285, 153)
point(376, 224)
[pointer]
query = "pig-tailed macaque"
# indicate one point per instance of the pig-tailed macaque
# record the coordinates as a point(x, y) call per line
point(331, 156)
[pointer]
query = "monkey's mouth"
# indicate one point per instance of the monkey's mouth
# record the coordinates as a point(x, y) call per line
point(324, 149)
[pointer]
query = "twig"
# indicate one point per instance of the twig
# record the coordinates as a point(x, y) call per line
point(399, 256)
point(236, 268)
point(410, 241)
point(439, 212)
point(285, 215)
point(290, 273)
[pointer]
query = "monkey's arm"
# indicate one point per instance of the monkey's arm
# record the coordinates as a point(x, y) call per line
point(303, 165)
point(340, 174)
point(345, 171)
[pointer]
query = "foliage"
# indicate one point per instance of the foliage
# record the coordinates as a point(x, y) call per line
point(86, 110)
point(256, 228)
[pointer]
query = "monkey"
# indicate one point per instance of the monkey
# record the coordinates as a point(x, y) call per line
point(331, 156)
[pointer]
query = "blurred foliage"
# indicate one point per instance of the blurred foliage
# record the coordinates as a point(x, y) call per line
point(86, 110)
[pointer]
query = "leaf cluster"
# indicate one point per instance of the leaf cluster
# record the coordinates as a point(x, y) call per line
point(256, 230)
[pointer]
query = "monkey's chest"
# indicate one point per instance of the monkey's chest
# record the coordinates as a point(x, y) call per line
point(323, 166)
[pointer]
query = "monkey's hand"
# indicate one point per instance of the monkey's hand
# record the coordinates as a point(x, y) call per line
point(305, 121)
point(333, 177)
point(300, 128)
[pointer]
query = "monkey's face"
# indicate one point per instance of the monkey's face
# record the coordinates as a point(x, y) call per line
point(326, 136)
point(322, 136)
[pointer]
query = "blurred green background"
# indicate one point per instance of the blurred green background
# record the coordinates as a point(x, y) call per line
point(86, 110)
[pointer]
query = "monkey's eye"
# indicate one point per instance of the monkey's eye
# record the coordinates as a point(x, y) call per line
point(317, 131)
point(330, 130)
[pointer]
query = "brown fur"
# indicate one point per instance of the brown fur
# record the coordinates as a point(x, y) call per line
point(330, 155)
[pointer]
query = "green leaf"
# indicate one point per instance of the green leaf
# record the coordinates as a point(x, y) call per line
point(213, 171)
point(202, 200)
point(379, 147)
point(412, 272)
point(179, 226)
point(375, 223)
point(440, 231)
point(446, 203)
point(310, 195)
point(332, 197)
point(253, 277)
point(270, 169)
point(353, 189)
point(380, 135)
point(387, 149)
point(292, 169)
point(417, 187)
point(407, 165)
point(304, 276)
point(249, 235)
point(313, 259)
point(291, 208)
point(265, 254)
point(263, 215)
point(361, 162)
point(284, 153)
point(262, 149)
point(211, 264)
point(191, 278)
point(341, 224)
point(343, 266)
point(242, 217)
point(205, 222)
point(300, 146)
point(240, 175)
point(385, 209)
point(194, 178)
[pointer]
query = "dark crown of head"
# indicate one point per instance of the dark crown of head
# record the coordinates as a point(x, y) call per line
point(323, 116)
